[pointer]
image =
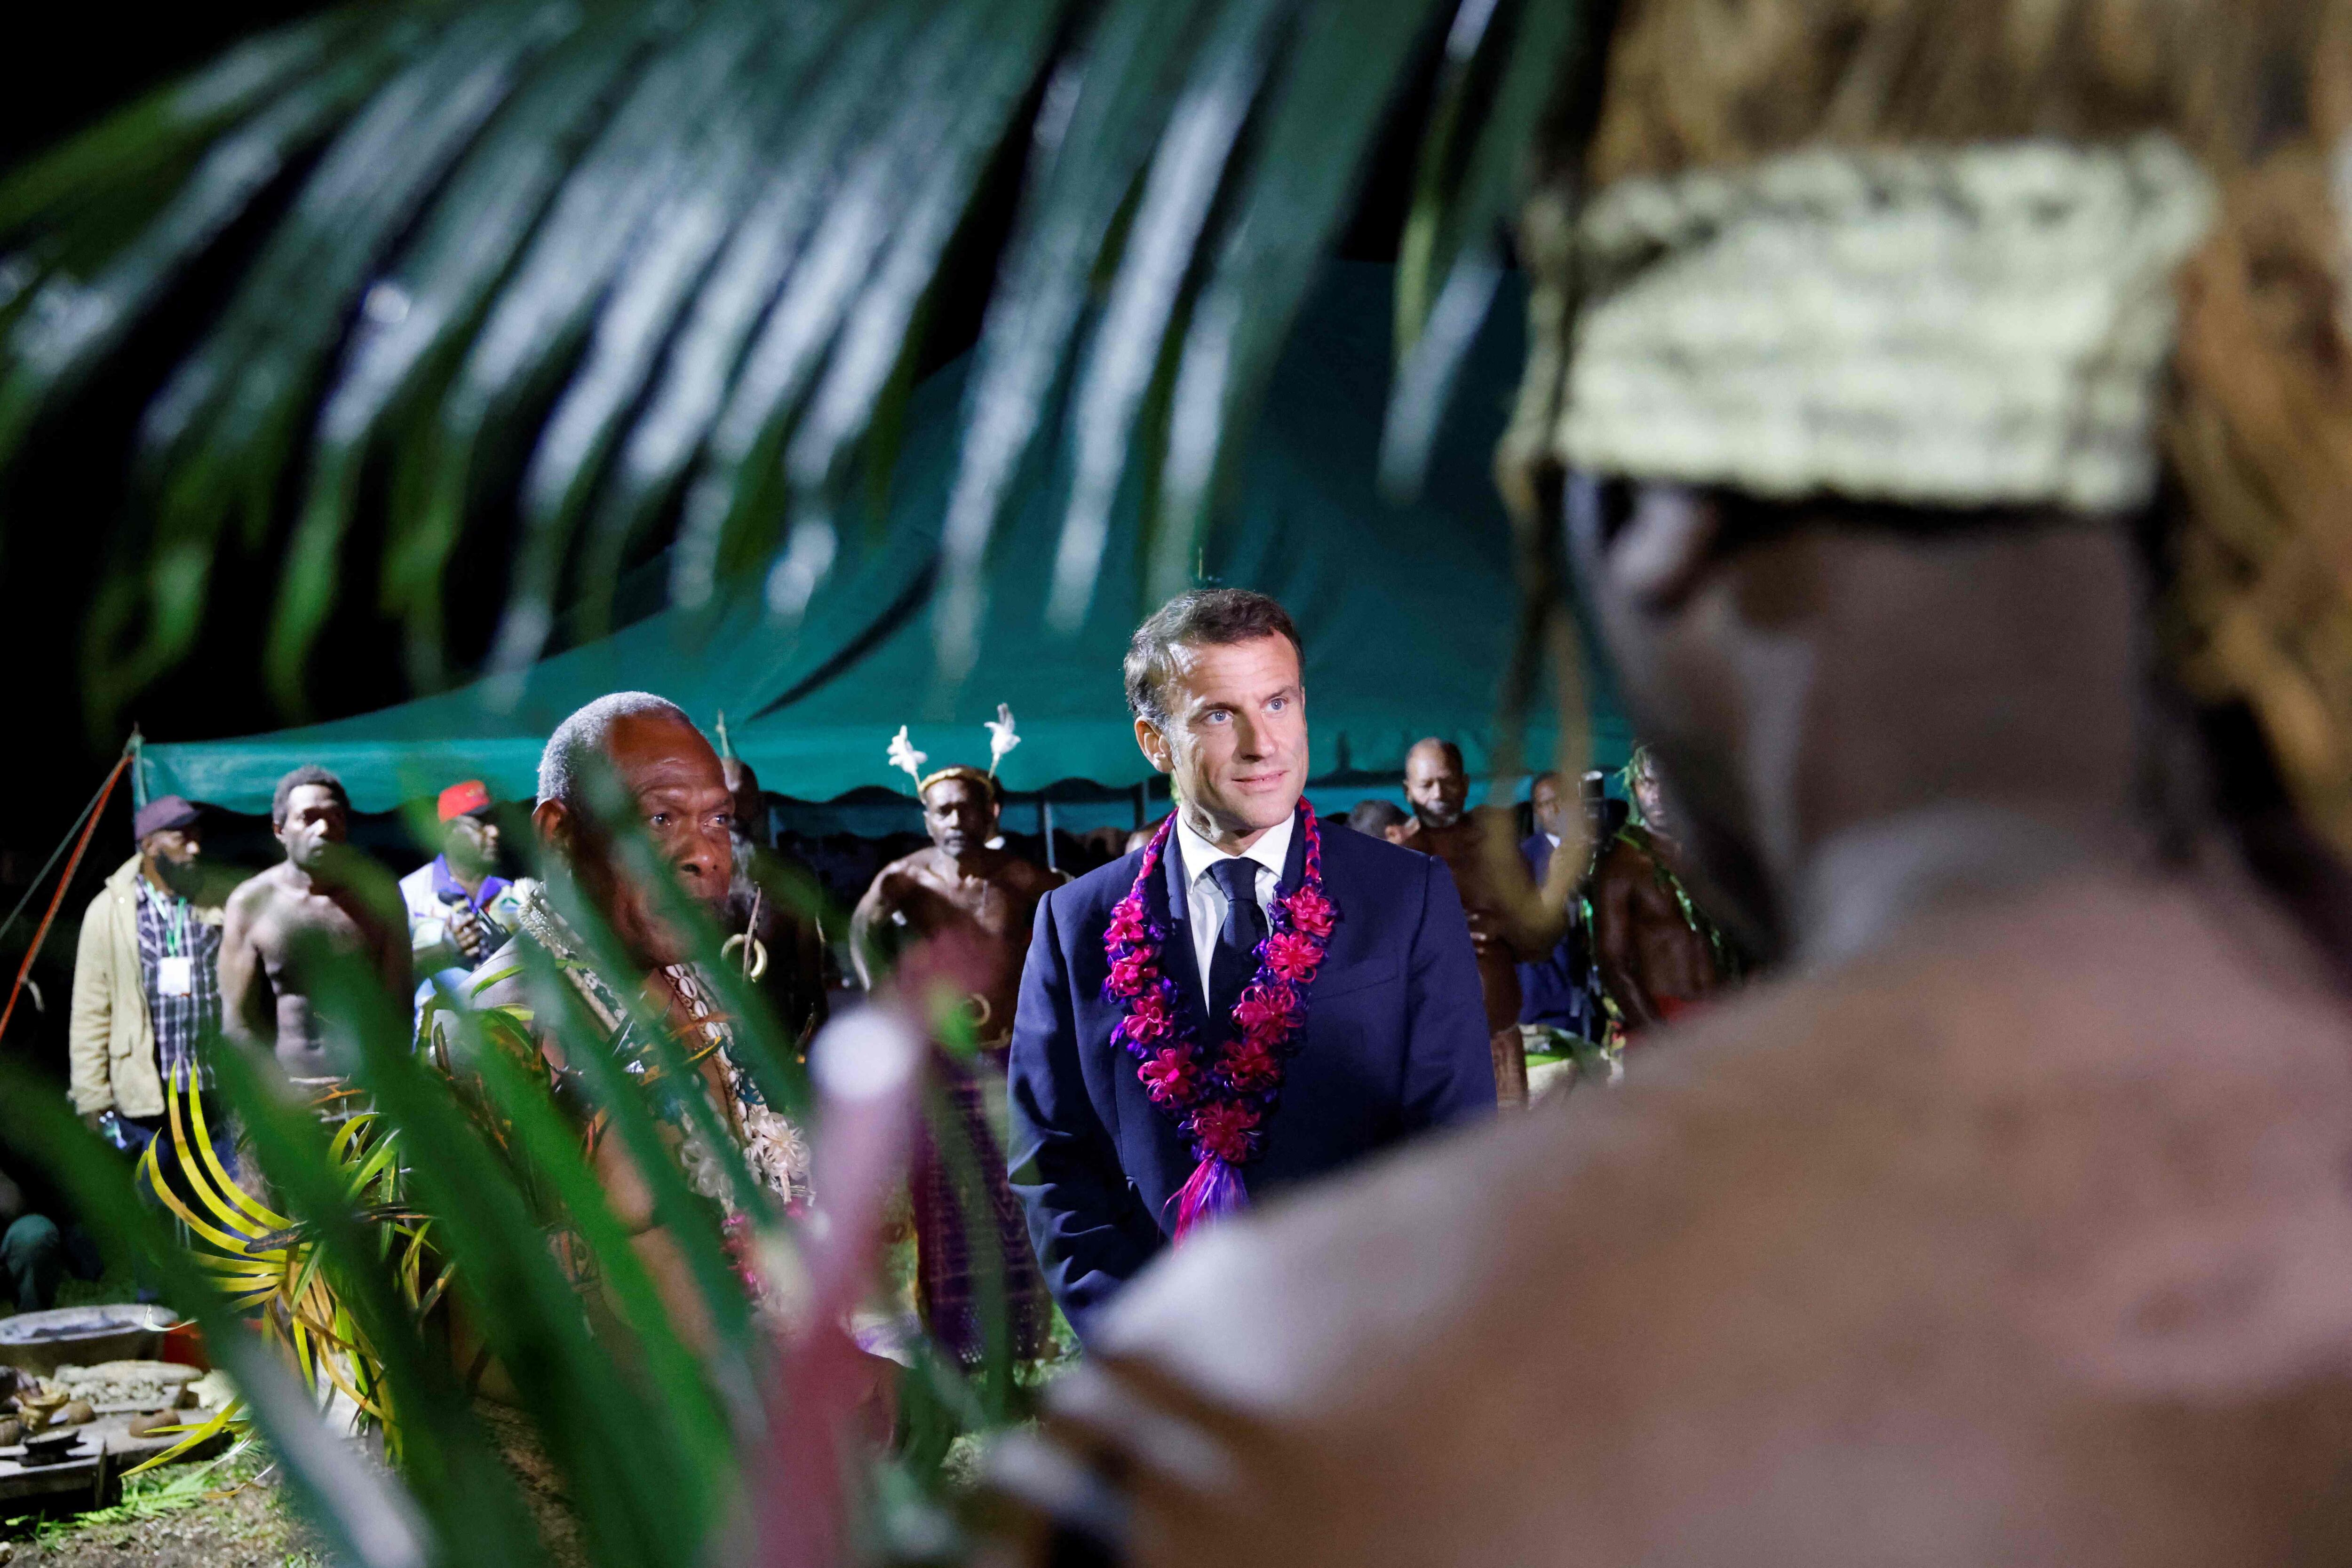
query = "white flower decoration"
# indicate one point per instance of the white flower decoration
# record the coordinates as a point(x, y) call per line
point(1001, 738)
point(904, 755)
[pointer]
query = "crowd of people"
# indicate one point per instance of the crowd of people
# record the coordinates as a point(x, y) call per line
point(172, 966)
point(1944, 413)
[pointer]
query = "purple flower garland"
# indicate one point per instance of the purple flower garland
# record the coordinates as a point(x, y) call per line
point(1220, 1103)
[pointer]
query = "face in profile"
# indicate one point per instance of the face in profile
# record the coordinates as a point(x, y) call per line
point(1234, 739)
point(471, 843)
point(177, 855)
point(316, 821)
point(960, 815)
point(1685, 618)
point(1436, 784)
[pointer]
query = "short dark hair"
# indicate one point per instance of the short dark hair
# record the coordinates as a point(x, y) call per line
point(1198, 618)
point(309, 773)
point(1372, 817)
point(562, 764)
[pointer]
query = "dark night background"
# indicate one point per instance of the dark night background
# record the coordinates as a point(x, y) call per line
point(67, 515)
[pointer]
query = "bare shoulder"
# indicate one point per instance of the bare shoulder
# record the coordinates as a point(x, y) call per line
point(2020, 1177)
point(1624, 855)
point(253, 895)
point(1030, 879)
point(907, 867)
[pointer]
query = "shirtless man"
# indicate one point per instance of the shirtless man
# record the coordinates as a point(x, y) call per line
point(1657, 951)
point(315, 905)
point(986, 900)
point(959, 882)
point(1497, 894)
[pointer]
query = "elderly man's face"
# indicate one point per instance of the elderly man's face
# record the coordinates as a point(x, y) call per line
point(670, 775)
point(316, 820)
point(1435, 784)
point(960, 815)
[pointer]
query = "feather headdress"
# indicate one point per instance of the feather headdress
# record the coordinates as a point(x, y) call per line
point(904, 755)
point(1003, 737)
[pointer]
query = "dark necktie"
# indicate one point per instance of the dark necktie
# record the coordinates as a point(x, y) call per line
point(1234, 960)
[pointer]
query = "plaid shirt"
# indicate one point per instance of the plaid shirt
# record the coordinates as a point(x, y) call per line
point(168, 924)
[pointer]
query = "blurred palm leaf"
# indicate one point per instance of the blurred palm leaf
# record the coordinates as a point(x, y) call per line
point(592, 269)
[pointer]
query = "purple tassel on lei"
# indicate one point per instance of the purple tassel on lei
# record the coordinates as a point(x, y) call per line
point(1212, 1191)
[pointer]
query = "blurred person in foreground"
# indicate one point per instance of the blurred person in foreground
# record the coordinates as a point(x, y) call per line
point(459, 908)
point(1496, 893)
point(986, 901)
point(324, 902)
point(2011, 1224)
point(1379, 819)
point(1246, 1002)
point(669, 775)
point(1658, 953)
point(146, 990)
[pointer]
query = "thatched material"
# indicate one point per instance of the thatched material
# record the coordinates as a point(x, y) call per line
point(1702, 83)
point(2258, 433)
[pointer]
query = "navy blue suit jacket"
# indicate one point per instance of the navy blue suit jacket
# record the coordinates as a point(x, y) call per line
point(1551, 988)
point(1395, 1043)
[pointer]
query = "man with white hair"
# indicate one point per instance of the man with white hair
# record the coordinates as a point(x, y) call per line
point(664, 771)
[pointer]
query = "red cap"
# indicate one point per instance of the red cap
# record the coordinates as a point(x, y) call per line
point(459, 798)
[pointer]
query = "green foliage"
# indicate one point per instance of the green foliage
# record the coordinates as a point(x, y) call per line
point(611, 266)
point(457, 1223)
point(614, 265)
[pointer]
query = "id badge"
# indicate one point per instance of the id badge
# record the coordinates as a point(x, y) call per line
point(175, 975)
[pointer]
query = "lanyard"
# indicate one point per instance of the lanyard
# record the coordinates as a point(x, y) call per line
point(175, 929)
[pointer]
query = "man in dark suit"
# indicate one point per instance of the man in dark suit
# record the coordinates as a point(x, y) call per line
point(1394, 1035)
point(1554, 989)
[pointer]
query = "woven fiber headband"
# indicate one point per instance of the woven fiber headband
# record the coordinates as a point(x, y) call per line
point(1967, 327)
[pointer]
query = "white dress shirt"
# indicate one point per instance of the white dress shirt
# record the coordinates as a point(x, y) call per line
point(1204, 901)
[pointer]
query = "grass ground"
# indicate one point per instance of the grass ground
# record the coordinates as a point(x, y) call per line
point(229, 1513)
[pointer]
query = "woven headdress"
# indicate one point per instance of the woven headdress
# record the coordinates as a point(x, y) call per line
point(2071, 254)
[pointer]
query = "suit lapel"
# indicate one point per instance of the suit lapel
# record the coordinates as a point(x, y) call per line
point(1294, 862)
point(1178, 958)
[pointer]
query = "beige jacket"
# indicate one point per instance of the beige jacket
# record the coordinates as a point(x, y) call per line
point(110, 1039)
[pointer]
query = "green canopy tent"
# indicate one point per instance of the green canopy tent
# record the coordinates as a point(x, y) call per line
point(1407, 612)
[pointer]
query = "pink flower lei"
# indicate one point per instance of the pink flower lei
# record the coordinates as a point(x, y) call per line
point(1221, 1101)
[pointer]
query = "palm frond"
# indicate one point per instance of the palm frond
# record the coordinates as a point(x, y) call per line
point(1507, 58)
point(605, 268)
